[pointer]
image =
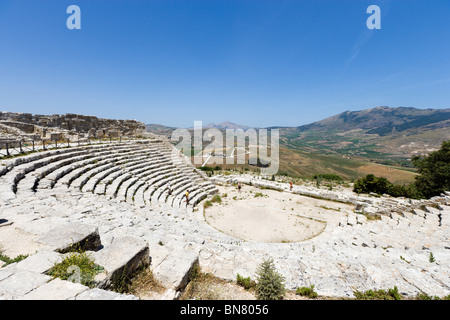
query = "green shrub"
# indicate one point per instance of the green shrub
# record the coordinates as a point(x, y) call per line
point(424, 296)
point(259, 194)
point(216, 198)
point(431, 258)
point(77, 267)
point(307, 292)
point(380, 185)
point(370, 183)
point(270, 283)
point(390, 294)
point(247, 283)
point(7, 260)
point(207, 204)
point(210, 169)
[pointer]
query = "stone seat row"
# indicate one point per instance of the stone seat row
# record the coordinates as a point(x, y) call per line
point(126, 171)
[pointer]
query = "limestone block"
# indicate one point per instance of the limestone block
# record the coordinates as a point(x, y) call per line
point(40, 262)
point(123, 256)
point(56, 289)
point(361, 219)
point(173, 272)
point(21, 282)
point(99, 294)
point(351, 219)
point(74, 235)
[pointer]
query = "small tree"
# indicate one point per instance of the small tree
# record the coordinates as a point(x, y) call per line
point(434, 171)
point(270, 283)
point(370, 183)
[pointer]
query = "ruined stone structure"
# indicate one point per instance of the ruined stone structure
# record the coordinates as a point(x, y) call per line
point(19, 125)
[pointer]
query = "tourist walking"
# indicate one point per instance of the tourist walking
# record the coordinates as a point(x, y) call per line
point(239, 186)
point(187, 197)
point(290, 187)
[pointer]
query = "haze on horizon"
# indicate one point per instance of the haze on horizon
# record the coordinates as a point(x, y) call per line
point(258, 63)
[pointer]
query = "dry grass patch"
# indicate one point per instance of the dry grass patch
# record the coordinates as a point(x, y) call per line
point(144, 285)
point(391, 173)
point(205, 286)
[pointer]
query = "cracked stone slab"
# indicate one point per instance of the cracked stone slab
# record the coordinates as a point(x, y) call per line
point(20, 283)
point(56, 289)
point(40, 262)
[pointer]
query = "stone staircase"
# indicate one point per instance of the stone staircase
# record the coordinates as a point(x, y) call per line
point(110, 170)
point(57, 195)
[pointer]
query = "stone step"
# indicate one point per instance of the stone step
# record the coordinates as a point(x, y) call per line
point(113, 173)
point(19, 172)
point(58, 289)
point(181, 197)
point(86, 167)
point(139, 195)
point(173, 272)
point(179, 187)
point(97, 184)
point(32, 180)
point(161, 186)
point(72, 236)
point(84, 178)
point(120, 259)
point(106, 151)
point(197, 198)
point(113, 188)
point(122, 193)
point(95, 176)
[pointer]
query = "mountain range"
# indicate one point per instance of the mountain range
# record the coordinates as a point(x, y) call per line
point(354, 143)
point(380, 134)
point(382, 120)
point(226, 125)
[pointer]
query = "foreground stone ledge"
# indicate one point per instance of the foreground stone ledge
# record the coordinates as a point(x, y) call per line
point(173, 272)
point(40, 262)
point(123, 257)
point(99, 294)
point(55, 289)
point(73, 236)
point(20, 282)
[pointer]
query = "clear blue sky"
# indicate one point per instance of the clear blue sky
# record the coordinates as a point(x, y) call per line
point(254, 62)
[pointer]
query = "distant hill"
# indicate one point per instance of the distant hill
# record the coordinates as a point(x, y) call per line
point(352, 144)
point(381, 120)
point(382, 134)
point(159, 129)
point(226, 125)
point(167, 131)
